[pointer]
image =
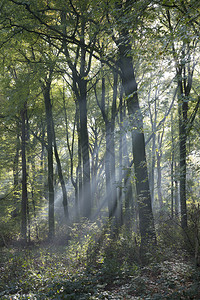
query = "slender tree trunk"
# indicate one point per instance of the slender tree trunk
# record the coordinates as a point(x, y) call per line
point(28, 172)
point(159, 177)
point(172, 167)
point(48, 109)
point(42, 165)
point(16, 176)
point(184, 77)
point(153, 163)
point(121, 155)
point(33, 197)
point(109, 194)
point(24, 178)
point(172, 186)
point(112, 147)
point(79, 169)
point(71, 152)
point(108, 159)
point(182, 149)
point(95, 159)
point(62, 182)
point(176, 190)
point(182, 112)
point(60, 174)
point(153, 118)
point(159, 186)
point(84, 141)
point(80, 90)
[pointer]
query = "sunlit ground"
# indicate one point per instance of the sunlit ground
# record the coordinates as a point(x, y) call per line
point(93, 265)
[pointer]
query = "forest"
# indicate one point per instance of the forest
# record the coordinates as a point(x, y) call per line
point(99, 149)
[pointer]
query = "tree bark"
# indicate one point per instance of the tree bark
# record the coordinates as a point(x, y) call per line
point(159, 186)
point(84, 141)
point(183, 107)
point(80, 89)
point(79, 169)
point(16, 175)
point(172, 167)
point(71, 153)
point(159, 177)
point(48, 109)
point(112, 147)
point(146, 220)
point(24, 178)
point(109, 155)
point(62, 181)
point(121, 156)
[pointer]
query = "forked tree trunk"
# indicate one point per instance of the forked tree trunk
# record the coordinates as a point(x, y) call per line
point(80, 90)
point(60, 174)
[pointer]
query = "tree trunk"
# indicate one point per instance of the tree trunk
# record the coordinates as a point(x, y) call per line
point(108, 159)
point(130, 214)
point(182, 113)
point(79, 169)
point(121, 119)
point(71, 153)
point(176, 191)
point(60, 174)
point(184, 87)
point(159, 187)
point(48, 109)
point(24, 178)
point(80, 90)
point(33, 197)
point(95, 160)
point(16, 176)
point(146, 221)
point(84, 141)
point(172, 167)
point(182, 148)
point(152, 181)
point(109, 194)
point(112, 148)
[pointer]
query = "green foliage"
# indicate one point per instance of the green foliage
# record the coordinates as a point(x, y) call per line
point(52, 271)
point(93, 260)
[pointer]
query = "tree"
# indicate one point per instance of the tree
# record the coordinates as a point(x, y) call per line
point(46, 86)
point(111, 194)
point(184, 73)
point(146, 221)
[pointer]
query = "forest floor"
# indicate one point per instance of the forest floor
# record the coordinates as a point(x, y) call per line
point(61, 272)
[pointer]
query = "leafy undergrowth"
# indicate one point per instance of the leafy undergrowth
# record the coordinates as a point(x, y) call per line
point(94, 269)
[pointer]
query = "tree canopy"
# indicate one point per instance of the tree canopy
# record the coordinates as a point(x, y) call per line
point(99, 121)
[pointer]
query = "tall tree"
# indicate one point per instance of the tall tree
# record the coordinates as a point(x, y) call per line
point(111, 191)
point(184, 73)
point(24, 202)
point(46, 87)
point(124, 44)
point(79, 78)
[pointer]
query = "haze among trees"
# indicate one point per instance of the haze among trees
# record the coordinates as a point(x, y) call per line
point(99, 158)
